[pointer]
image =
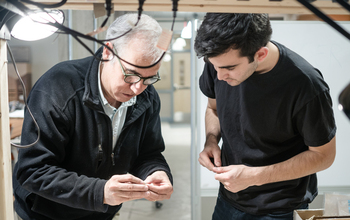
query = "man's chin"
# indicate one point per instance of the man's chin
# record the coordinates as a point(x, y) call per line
point(232, 82)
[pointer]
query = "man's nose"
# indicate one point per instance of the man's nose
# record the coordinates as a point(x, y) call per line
point(138, 87)
point(221, 73)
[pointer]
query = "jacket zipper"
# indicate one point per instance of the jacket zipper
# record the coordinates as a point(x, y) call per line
point(112, 155)
point(116, 147)
point(124, 127)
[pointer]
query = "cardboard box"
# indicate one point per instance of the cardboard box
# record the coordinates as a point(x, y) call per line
point(305, 214)
point(23, 69)
point(14, 85)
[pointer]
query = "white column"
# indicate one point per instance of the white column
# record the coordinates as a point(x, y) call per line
point(6, 197)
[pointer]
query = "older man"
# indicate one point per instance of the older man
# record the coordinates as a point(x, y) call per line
point(100, 128)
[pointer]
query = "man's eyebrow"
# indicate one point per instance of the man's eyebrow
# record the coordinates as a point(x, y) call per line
point(130, 71)
point(227, 67)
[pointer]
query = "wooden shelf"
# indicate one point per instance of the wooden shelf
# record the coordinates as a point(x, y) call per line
point(238, 6)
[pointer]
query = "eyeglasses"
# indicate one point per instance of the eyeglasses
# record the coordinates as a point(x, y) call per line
point(133, 78)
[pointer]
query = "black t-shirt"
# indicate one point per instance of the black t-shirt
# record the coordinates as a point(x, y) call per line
point(268, 119)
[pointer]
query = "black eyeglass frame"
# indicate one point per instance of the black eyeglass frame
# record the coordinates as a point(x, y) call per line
point(157, 77)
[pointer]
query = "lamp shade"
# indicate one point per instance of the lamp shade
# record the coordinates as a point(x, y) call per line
point(33, 26)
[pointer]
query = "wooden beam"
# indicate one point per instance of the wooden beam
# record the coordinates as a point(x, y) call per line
point(6, 196)
point(238, 6)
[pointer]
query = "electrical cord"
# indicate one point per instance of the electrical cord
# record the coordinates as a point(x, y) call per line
point(141, 2)
point(25, 103)
point(20, 6)
point(6, 15)
point(343, 3)
point(76, 35)
point(108, 7)
point(174, 9)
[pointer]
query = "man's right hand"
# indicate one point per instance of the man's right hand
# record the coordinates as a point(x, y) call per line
point(122, 188)
point(210, 152)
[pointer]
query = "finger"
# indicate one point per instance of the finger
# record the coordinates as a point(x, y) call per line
point(157, 178)
point(118, 197)
point(159, 182)
point(205, 162)
point(128, 178)
point(160, 188)
point(221, 169)
point(157, 197)
point(222, 177)
point(217, 158)
point(132, 187)
point(127, 196)
point(153, 197)
point(227, 188)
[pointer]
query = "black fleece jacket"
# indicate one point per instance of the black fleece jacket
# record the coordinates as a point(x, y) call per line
point(63, 175)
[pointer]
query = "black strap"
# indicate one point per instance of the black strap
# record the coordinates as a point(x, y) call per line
point(324, 17)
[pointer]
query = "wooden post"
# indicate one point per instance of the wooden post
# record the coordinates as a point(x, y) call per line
point(6, 196)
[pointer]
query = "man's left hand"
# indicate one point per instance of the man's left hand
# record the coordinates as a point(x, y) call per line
point(235, 178)
point(159, 186)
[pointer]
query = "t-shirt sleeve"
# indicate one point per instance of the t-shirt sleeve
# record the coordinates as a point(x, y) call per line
point(315, 121)
point(207, 81)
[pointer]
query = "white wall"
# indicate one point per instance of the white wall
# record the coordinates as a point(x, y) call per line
point(329, 51)
point(43, 54)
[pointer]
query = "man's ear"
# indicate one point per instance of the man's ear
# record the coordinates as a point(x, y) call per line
point(107, 54)
point(262, 53)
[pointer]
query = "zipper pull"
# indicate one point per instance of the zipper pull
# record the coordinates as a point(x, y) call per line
point(112, 155)
point(100, 153)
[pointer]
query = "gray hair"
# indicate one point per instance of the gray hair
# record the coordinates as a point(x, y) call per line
point(147, 32)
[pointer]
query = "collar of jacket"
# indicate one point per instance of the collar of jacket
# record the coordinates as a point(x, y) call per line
point(91, 96)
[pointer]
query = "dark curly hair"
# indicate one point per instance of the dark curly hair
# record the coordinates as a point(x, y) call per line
point(221, 32)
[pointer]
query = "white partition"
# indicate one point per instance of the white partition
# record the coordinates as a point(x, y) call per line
point(329, 51)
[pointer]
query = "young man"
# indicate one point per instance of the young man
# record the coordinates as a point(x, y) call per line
point(101, 140)
point(272, 110)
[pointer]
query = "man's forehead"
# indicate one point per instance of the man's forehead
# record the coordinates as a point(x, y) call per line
point(146, 72)
point(226, 60)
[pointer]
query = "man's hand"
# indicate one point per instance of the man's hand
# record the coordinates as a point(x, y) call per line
point(210, 152)
point(239, 177)
point(159, 186)
point(122, 188)
point(236, 178)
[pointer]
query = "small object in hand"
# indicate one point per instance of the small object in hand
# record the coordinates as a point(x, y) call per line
point(212, 161)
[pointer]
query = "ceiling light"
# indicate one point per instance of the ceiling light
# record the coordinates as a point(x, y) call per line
point(179, 44)
point(187, 31)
